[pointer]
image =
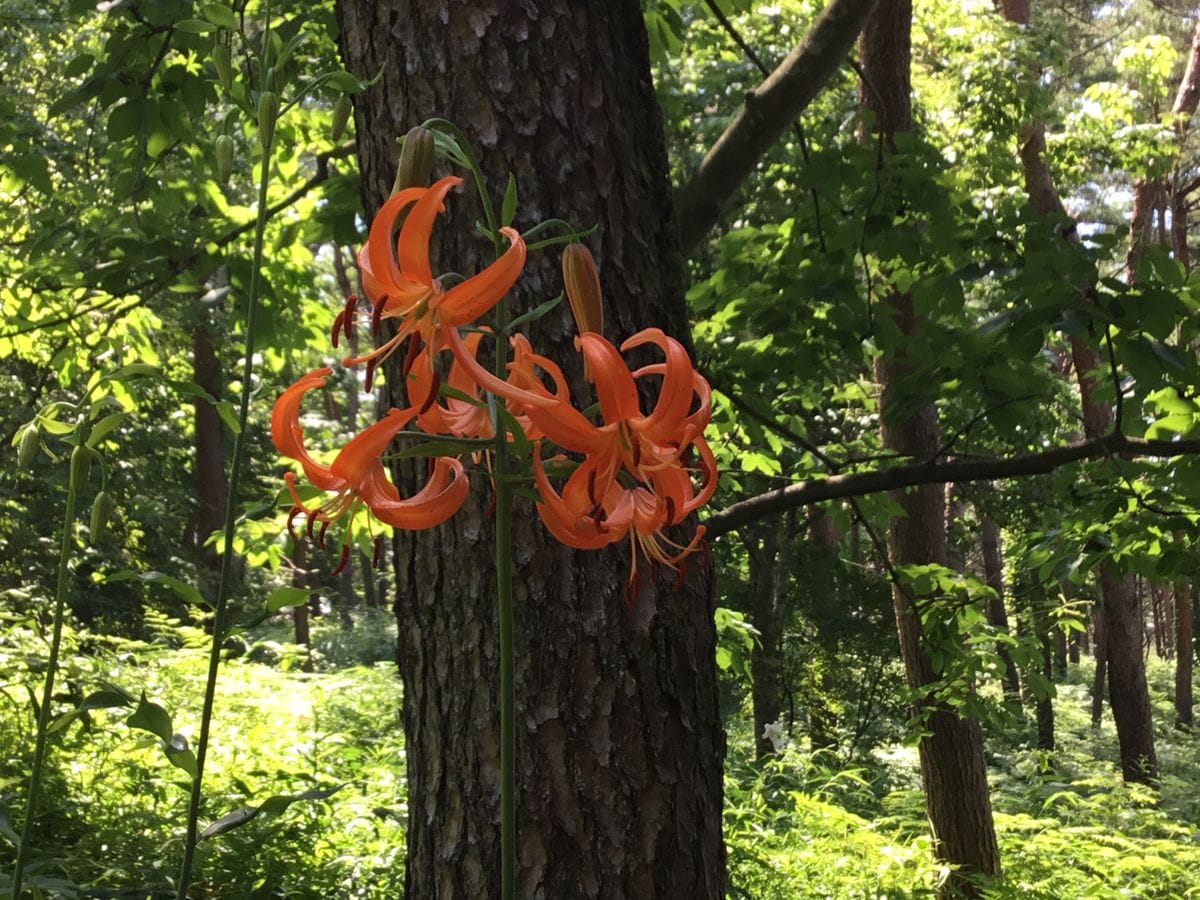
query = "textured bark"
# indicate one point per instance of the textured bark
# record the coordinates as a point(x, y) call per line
point(619, 742)
point(953, 769)
point(822, 719)
point(1183, 655)
point(768, 111)
point(993, 572)
point(211, 486)
point(1100, 653)
point(1122, 626)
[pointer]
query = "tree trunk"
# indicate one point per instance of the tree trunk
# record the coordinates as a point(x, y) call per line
point(993, 572)
point(1122, 626)
point(766, 692)
point(619, 741)
point(953, 769)
point(301, 578)
point(1183, 655)
point(1100, 652)
point(1043, 628)
point(211, 486)
point(822, 720)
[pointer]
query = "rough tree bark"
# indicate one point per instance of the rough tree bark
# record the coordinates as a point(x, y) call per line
point(1128, 693)
point(619, 742)
point(766, 667)
point(821, 717)
point(953, 770)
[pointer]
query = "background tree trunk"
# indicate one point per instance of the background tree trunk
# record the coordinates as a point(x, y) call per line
point(765, 663)
point(619, 742)
point(953, 770)
point(211, 485)
point(993, 572)
point(1183, 654)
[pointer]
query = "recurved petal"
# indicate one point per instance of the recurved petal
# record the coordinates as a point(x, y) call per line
point(675, 395)
point(287, 434)
point(353, 463)
point(413, 244)
point(566, 525)
point(614, 385)
point(486, 380)
point(436, 502)
point(381, 261)
point(467, 301)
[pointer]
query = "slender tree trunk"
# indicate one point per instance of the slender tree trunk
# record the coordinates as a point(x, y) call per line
point(1100, 652)
point(619, 741)
point(766, 692)
point(211, 486)
point(301, 578)
point(1126, 670)
point(821, 717)
point(1183, 655)
point(953, 770)
point(993, 572)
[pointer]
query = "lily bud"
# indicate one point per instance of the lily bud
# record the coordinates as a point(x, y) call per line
point(271, 79)
point(341, 116)
point(81, 464)
point(416, 160)
point(582, 283)
point(102, 509)
point(268, 109)
point(221, 62)
point(28, 447)
point(223, 149)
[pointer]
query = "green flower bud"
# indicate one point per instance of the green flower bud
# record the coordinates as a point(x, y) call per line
point(102, 509)
point(341, 116)
point(268, 109)
point(220, 58)
point(27, 449)
point(272, 78)
point(223, 148)
point(416, 159)
point(81, 464)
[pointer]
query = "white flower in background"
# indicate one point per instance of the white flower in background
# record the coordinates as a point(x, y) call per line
point(775, 733)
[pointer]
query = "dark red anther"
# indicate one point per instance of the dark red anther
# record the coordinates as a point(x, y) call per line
point(410, 354)
point(491, 507)
point(369, 376)
point(348, 323)
point(308, 527)
point(592, 487)
point(337, 328)
point(345, 558)
point(377, 314)
point(681, 573)
point(637, 453)
point(291, 522)
point(321, 534)
point(670, 510)
point(433, 393)
point(375, 557)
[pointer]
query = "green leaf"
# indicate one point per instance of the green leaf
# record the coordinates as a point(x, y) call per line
point(509, 207)
point(195, 26)
point(220, 14)
point(272, 806)
point(153, 718)
point(182, 589)
point(230, 821)
point(531, 315)
point(345, 82)
point(229, 415)
point(103, 427)
point(285, 597)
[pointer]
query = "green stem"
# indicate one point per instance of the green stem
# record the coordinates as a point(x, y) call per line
point(43, 723)
point(224, 579)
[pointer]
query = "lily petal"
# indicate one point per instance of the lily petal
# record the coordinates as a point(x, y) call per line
point(469, 300)
point(412, 247)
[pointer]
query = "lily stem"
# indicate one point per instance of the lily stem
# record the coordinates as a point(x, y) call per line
point(43, 722)
point(225, 577)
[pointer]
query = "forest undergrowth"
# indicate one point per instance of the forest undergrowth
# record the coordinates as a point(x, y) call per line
point(329, 741)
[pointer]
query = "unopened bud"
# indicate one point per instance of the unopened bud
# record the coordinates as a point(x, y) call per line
point(341, 117)
point(81, 465)
point(102, 508)
point(416, 159)
point(27, 449)
point(223, 148)
point(220, 58)
point(582, 284)
point(270, 82)
point(268, 109)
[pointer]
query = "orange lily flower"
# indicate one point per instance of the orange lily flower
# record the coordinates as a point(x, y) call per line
point(356, 475)
point(398, 278)
point(597, 506)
